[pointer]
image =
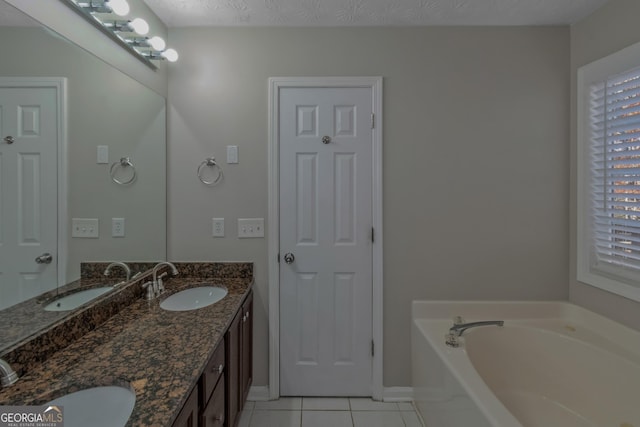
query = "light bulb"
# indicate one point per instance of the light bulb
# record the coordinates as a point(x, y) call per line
point(170, 54)
point(119, 7)
point(140, 26)
point(157, 43)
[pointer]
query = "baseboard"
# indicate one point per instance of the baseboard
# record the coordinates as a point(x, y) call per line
point(397, 394)
point(258, 393)
point(389, 394)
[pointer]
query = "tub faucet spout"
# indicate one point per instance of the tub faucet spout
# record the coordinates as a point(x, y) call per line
point(458, 329)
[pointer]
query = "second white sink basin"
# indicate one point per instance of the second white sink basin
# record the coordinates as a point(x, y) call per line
point(76, 299)
point(108, 406)
point(193, 298)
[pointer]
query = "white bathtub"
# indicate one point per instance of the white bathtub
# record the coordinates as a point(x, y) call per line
point(551, 365)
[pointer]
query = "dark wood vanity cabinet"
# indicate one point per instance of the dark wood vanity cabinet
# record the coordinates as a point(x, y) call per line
point(239, 342)
point(188, 416)
point(219, 397)
point(205, 406)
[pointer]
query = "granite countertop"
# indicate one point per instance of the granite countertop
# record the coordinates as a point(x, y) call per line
point(21, 320)
point(159, 353)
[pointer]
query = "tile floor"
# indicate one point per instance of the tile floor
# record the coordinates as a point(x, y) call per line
point(328, 412)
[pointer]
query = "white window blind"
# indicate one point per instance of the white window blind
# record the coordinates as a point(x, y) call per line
point(614, 119)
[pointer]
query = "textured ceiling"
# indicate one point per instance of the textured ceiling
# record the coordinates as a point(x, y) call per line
point(181, 13)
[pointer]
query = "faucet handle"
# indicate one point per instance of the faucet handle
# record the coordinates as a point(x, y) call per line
point(150, 293)
point(453, 340)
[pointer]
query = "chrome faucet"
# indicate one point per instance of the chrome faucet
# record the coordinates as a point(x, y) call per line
point(122, 265)
point(7, 375)
point(157, 285)
point(458, 329)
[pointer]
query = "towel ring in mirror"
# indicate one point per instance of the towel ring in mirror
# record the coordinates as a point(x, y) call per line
point(124, 163)
point(210, 162)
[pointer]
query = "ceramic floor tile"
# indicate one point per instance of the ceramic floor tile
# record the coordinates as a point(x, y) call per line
point(411, 419)
point(405, 406)
point(326, 419)
point(377, 419)
point(277, 418)
point(245, 418)
point(366, 404)
point(325, 404)
point(282, 404)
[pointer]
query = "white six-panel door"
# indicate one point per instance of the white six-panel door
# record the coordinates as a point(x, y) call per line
point(28, 192)
point(325, 226)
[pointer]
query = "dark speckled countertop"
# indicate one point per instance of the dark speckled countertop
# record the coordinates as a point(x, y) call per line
point(161, 354)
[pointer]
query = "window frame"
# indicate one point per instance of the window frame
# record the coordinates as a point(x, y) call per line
point(616, 279)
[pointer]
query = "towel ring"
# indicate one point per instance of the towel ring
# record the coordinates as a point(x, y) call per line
point(211, 163)
point(124, 163)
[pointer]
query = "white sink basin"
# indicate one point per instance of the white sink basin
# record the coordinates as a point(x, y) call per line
point(108, 406)
point(76, 299)
point(193, 298)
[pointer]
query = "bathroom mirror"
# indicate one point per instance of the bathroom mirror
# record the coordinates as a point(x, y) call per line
point(104, 108)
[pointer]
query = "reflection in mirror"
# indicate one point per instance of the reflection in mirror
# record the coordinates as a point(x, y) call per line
point(70, 136)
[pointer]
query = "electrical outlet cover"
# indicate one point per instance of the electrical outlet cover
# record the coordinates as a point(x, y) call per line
point(217, 227)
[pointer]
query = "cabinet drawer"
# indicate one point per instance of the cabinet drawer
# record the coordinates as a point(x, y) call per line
point(212, 373)
point(213, 413)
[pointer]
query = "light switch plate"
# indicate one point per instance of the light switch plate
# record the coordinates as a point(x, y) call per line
point(85, 228)
point(249, 228)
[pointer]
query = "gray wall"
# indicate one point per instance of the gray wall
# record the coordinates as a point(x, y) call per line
point(475, 157)
point(609, 29)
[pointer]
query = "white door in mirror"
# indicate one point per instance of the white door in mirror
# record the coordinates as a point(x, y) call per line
point(28, 191)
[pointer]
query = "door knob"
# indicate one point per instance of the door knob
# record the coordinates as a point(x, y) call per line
point(326, 139)
point(45, 258)
point(9, 139)
point(289, 258)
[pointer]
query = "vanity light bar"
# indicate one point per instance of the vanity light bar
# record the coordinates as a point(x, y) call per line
point(143, 48)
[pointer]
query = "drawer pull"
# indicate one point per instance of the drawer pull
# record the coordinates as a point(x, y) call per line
point(220, 369)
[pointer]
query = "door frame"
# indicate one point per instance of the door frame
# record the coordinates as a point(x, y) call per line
point(273, 229)
point(59, 84)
